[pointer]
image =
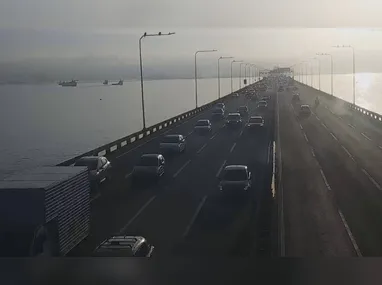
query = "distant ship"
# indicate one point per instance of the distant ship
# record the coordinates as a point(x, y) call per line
point(120, 82)
point(72, 83)
point(106, 82)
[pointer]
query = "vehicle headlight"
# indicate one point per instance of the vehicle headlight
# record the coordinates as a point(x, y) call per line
point(220, 187)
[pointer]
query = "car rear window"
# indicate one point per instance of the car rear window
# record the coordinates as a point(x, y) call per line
point(262, 103)
point(172, 139)
point(305, 108)
point(235, 175)
point(256, 120)
point(91, 164)
point(234, 117)
point(243, 108)
point(148, 161)
point(202, 123)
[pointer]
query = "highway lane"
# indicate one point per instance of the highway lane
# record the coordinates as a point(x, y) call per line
point(226, 227)
point(116, 211)
point(170, 217)
point(360, 146)
point(351, 170)
point(313, 225)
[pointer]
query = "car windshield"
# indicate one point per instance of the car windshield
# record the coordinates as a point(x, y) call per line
point(171, 139)
point(255, 120)
point(91, 164)
point(235, 175)
point(202, 123)
point(234, 117)
point(148, 161)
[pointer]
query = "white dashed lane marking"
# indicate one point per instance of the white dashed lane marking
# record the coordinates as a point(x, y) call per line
point(334, 137)
point(366, 137)
point(325, 180)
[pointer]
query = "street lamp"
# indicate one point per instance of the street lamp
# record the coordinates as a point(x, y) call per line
point(240, 72)
point(349, 46)
point(249, 69)
point(141, 68)
point(222, 57)
point(331, 68)
point(319, 72)
point(196, 74)
point(305, 66)
point(253, 72)
point(232, 62)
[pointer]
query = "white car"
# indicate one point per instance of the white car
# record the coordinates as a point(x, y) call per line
point(173, 143)
point(203, 126)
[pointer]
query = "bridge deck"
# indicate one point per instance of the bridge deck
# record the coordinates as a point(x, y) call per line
point(331, 185)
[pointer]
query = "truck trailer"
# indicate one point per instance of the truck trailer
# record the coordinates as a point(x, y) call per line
point(44, 211)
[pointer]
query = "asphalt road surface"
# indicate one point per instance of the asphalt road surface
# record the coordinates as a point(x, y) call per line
point(347, 151)
point(184, 214)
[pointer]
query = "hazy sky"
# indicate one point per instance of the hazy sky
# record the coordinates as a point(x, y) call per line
point(267, 32)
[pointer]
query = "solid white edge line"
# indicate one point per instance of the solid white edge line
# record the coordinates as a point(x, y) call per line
point(188, 228)
point(372, 179)
point(325, 180)
point(201, 149)
point(136, 215)
point(350, 235)
point(180, 169)
point(232, 148)
point(221, 168)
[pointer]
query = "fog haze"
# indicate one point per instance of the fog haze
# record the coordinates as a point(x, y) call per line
point(93, 40)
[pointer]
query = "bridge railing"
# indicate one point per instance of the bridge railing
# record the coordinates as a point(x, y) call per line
point(373, 117)
point(136, 138)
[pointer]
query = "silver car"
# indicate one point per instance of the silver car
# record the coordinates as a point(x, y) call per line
point(173, 143)
point(203, 126)
point(124, 246)
point(235, 178)
point(99, 167)
point(149, 166)
point(220, 106)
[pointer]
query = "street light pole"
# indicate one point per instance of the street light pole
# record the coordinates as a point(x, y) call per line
point(233, 61)
point(331, 68)
point(240, 73)
point(196, 75)
point(349, 46)
point(141, 70)
point(222, 57)
point(319, 72)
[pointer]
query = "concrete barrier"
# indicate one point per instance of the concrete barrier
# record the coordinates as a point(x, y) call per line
point(136, 138)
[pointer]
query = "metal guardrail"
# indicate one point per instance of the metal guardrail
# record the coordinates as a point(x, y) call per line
point(137, 137)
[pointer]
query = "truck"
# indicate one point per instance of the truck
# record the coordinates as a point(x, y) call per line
point(44, 211)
